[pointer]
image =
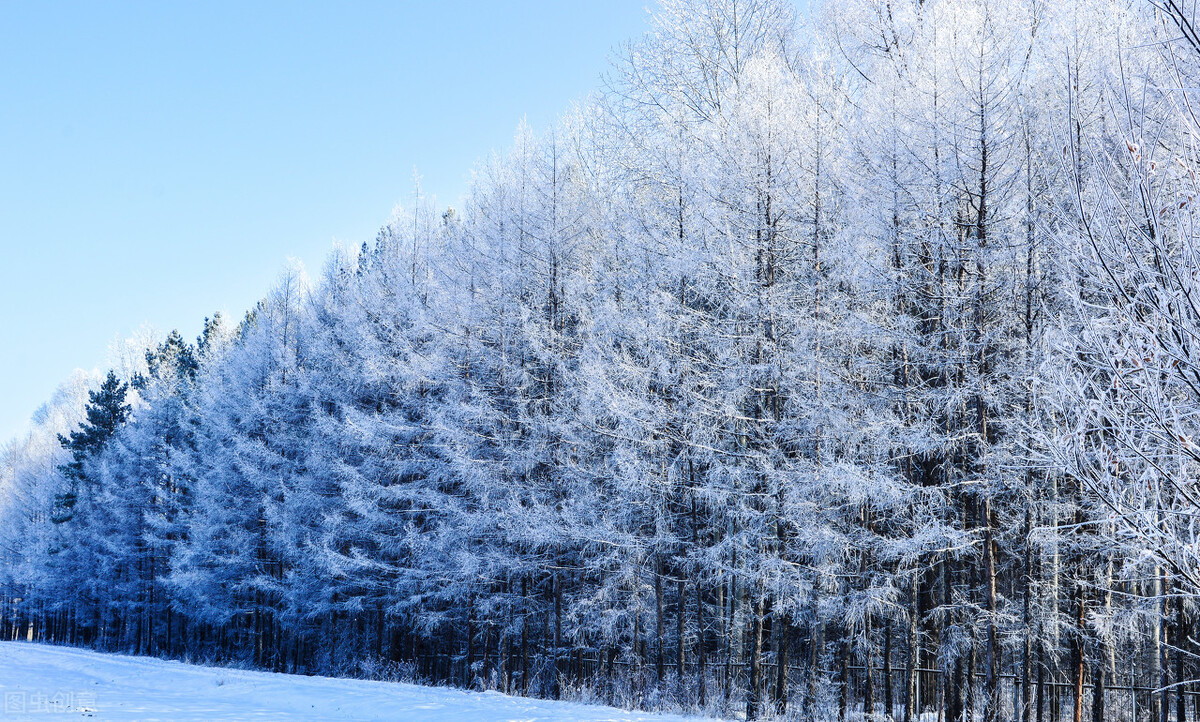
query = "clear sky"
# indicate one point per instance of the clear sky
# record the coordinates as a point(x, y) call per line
point(162, 160)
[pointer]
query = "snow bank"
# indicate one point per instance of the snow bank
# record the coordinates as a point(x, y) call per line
point(43, 682)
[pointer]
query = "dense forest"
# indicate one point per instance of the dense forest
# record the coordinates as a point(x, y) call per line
point(834, 364)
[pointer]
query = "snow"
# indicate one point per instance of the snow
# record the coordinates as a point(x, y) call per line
point(45, 682)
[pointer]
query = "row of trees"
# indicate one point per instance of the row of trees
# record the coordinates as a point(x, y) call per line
point(822, 371)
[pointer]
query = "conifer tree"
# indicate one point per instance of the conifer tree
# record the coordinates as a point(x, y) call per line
point(106, 412)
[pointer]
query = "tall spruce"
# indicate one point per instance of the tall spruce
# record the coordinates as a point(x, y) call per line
point(106, 412)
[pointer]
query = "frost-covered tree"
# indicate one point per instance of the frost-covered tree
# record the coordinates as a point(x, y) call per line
point(824, 364)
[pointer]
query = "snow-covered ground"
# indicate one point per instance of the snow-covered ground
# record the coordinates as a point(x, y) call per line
point(42, 682)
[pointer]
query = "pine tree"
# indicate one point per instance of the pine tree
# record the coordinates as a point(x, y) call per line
point(106, 413)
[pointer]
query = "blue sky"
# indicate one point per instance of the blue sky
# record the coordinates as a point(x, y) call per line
point(161, 161)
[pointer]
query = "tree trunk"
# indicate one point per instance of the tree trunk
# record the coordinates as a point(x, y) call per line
point(754, 652)
point(660, 629)
point(556, 682)
point(991, 711)
point(701, 682)
point(912, 663)
point(680, 635)
point(868, 677)
point(888, 698)
point(781, 661)
point(844, 700)
point(815, 652)
point(525, 636)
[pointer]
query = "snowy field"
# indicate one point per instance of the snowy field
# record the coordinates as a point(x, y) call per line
point(42, 682)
